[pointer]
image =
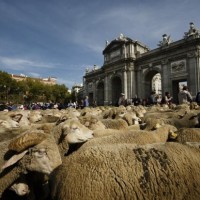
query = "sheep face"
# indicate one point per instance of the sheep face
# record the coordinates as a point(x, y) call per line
point(8, 125)
point(92, 123)
point(45, 157)
point(74, 112)
point(189, 120)
point(35, 117)
point(75, 132)
point(20, 189)
point(96, 125)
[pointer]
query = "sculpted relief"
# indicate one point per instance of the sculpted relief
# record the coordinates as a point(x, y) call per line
point(178, 66)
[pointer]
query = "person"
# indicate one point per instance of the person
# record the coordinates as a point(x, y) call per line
point(152, 98)
point(94, 104)
point(70, 104)
point(86, 102)
point(184, 96)
point(158, 99)
point(198, 98)
point(136, 100)
point(121, 100)
point(168, 98)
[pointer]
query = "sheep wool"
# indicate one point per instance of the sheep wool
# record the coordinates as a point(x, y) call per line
point(129, 172)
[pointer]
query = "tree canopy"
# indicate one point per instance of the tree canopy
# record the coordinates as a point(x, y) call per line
point(30, 90)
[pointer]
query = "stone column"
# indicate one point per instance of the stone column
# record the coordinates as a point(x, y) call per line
point(124, 51)
point(193, 72)
point(166, 77)
point(94, 90)
point(139, 87)
point(125, 82)
point(106, 101)
point(198, 72)
point(131, 50)
point(131, 83)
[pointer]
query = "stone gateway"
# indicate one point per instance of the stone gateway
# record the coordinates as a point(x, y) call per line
point(132, 68)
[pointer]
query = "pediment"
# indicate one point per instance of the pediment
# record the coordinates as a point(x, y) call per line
point(114, 45)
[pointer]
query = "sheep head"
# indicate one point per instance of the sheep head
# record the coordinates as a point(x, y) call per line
point(7, 124)
point(20, 188)
point(35, 151)
point(75, 132)
point(92, 122)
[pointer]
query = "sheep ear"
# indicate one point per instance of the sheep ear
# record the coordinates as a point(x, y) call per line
point(87, 124)
point(180, 116)
point(16, 117)
point(14, 159)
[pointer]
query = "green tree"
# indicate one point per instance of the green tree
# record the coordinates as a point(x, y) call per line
point(31, 90)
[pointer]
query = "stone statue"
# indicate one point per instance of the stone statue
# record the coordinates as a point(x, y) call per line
point(193, 32)
point(166, 40)
point(87, 70)
point(122, 37)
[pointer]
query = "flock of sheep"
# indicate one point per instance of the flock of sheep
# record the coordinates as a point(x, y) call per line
point(124, 153)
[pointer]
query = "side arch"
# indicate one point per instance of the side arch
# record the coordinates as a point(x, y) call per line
point(148, 81)
point(100, 94)
point(116, 85)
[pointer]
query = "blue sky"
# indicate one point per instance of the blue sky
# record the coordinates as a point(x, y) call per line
point(61, 38)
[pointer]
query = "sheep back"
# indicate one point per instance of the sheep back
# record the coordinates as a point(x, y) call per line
point(157, 171)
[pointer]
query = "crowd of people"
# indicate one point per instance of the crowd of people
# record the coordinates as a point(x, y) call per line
point(44, 105)
point(184, 96)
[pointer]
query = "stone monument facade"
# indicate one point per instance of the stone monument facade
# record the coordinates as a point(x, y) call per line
point(130, 66)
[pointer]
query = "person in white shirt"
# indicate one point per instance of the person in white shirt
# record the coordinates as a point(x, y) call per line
point(184, 96)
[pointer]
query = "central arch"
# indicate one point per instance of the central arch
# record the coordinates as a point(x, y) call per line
point(116, 89)
point(152, 82)
point(100, 94)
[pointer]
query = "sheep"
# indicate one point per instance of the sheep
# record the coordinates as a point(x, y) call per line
point(92, 122)
point(139, 137)
point(188, 135)
point(8, 128)
point(114, 112)
point(114, 123)
point(66, 134)
point(35, 116)
point(50, 115)
point(126, 171)
point(70, 132)
point(18, 190)
point(131, 118)
point(91, 111)
point(15, 122)
point(31, 151)
point(189, 120)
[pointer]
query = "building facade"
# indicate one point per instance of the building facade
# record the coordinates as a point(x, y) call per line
point(133, 69)
point(47, 81)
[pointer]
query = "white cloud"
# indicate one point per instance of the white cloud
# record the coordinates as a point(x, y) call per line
point(58, 37)
point(21, 64)
point(68, 83)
